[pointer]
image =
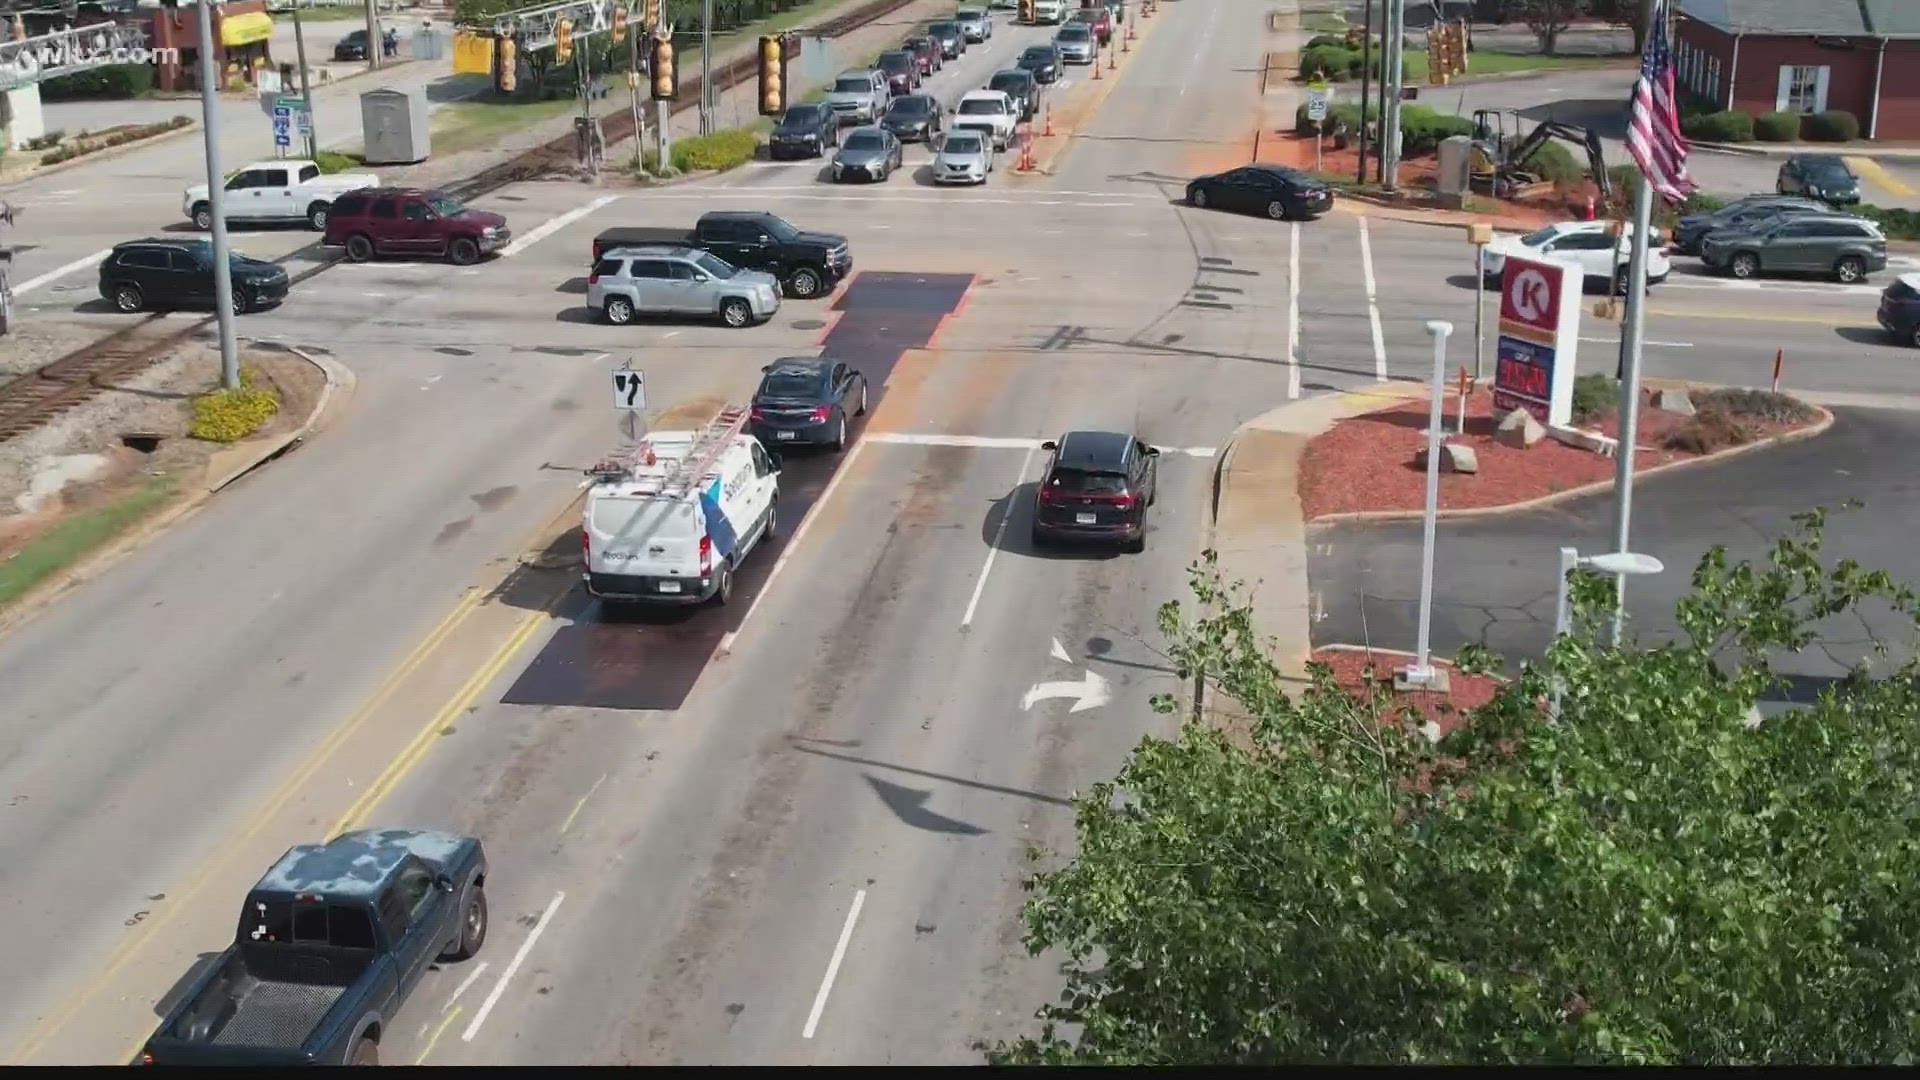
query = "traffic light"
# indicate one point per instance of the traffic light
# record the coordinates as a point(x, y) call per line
point(619, 29)
point(563, 41)
point(1026, 11)
point(650, 15)
point(506, 60)
point(773, 90)
point(666, 71)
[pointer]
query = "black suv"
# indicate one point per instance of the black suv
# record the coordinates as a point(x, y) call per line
point(913, 118)
point(804, 400)
point(1022, 87)
point(1097, 486)
point(1819, 176)
point(155, 275)
point(805, 131)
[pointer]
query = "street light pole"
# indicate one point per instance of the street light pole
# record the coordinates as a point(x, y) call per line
point(216, 202)
point(706, 67)
point(1366, 76)
point(1390, 76)
point(306, 91)
point(1421, 675)
point(373, 36)
point(1622, 564)
point(1630, 349)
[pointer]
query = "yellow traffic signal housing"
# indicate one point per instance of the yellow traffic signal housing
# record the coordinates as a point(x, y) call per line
point(650, 14)
point(563, 41)
point(773, 89)
point(666, 71)
point(1026, 11)
point(619, 28)
point(507, 62)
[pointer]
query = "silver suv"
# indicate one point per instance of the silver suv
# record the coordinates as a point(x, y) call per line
point(1840, 245)
point(859, 97)
point(663, 280)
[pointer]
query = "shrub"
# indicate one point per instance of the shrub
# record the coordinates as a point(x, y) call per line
point(717, 152)
point(1709, 430)
point(45, 142)
point(227, 416)
point(1778, 127)
point(1421, 128)
point(1323, 40)
point(1764, 405)
point(332, 161)
point(116, 82)
point(1832, 126)
point(1731, 126)
point(1596, 396)
point(1554, 162)
point(1328, 60)
point(1897, 223)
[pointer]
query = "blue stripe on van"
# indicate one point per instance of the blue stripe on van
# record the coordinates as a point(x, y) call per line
point(725, 538)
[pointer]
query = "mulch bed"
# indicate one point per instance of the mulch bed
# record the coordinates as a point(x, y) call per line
point(1367, 462)
point(1465, 692)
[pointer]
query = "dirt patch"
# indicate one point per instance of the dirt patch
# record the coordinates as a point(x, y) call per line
point(1541, 204)
point(1367, 462)
point(1369, 676)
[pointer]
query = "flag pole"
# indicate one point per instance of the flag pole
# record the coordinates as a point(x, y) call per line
point(1631, 341)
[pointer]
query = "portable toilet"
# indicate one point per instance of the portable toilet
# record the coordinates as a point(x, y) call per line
point(394, 126)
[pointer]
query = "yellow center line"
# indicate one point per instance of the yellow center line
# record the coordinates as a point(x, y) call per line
point(577, 807)
point(1747, 316)
point(452, 1014)
point(1878, 173)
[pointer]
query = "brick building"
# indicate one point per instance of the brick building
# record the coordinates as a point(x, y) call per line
point(241, 29)
point(1806, 56)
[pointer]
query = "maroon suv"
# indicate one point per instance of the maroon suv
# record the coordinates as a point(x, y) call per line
point(413, 221)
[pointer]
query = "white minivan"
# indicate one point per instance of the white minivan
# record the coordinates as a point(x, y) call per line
point(664, 529)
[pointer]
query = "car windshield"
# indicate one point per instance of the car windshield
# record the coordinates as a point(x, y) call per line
point(719, 268)
point(1072, 33)
point(802, 114)
point(795, 383)
point(1828, 170)
point(445, 205)
point(981, 107)
point(852, 85)
point(864, 142)
point(1008, 83)
point(1089, 483)
point(1542, 238)
point(911, 106)
point(960, 144)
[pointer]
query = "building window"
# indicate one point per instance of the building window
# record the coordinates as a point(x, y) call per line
point(1803, 89)
point(1713, 79)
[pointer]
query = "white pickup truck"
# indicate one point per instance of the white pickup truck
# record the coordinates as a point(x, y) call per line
point(288, 190)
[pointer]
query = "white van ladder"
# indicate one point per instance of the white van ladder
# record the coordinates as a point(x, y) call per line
point(711, 442)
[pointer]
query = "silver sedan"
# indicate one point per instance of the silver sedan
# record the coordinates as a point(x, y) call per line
point(868, 153)
point(965, 157)
point(1076, 44)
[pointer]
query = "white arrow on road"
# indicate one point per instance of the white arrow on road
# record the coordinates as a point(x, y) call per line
point(1090, 692)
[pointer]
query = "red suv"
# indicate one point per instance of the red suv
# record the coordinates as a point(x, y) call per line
point(412, 221)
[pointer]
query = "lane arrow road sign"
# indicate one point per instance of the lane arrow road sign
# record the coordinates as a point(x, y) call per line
point(1090, 692)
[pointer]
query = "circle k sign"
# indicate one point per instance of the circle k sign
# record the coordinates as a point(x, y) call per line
point(1532, 295)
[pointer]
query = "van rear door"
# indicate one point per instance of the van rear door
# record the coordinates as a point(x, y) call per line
point(645, 536)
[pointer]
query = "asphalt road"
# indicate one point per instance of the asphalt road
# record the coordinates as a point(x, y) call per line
point(688, 815)
point(1494, 577)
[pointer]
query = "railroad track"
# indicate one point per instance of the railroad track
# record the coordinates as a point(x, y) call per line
point(33, 399)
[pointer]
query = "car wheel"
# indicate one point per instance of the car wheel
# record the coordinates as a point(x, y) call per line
point(1849, 269)
point(463, 252)
point(619, 310)
point(202, 216)
point(804, 282)
point(1036, 537)
point(366, 1052)
point(723, 590)
point(773, 522)
point(359, 248)
point(862, 410)
point(1277, 210)
point(473, 927)
point(840, 434)
point(735, 312)
point(317, 216)
point(240, 301)
point(1744, 265)
point(1197, 197)
point(1139, 542)
point(128, 298)
point(1913, 336)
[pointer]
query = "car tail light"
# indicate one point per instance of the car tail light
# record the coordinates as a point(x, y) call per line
point(706, 554)
point(146, 1059)
point(593, 279)
point(820, 414)
point(1121, 502)
point(758, 413)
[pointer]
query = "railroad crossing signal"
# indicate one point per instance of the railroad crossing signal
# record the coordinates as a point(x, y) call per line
point(619, 29)
point(506, 63)
point(773, 88)
point(666, 71)
point(563, 41)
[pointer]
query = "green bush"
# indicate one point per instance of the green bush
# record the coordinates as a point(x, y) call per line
point(1778, 127)
point(1762, 405)
point(1325, 40)
point(1330, 61)
point(1554, 162)
point(1731, 126)
point(1897, 223)
point(227, 416)
point(44, 142)
point(332, 161)
point(114, 83)
point(1832, 126)
point(717, 152)
point(1596, 396)
point(1421, 128)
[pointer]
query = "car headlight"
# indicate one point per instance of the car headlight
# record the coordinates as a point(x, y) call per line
point(490, 231)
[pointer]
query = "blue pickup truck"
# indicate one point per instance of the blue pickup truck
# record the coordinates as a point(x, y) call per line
point(330, 943)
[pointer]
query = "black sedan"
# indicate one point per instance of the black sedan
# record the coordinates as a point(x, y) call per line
point(1097, 486)
point(1043, 61)
point(952, 40)
point(804, 131)
point(806, 400)
point(351, 47)
point(1819, 176)
point(1277, 191)
point(913, 118)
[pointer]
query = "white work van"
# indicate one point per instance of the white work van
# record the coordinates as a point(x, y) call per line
point(669, 520)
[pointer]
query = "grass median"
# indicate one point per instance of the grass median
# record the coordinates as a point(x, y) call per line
point(79, 535)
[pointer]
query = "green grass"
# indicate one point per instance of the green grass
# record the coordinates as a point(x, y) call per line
point(791, 18)
point(330, 13)
point(1492, 63)
point(78, 536)
point(471, 125)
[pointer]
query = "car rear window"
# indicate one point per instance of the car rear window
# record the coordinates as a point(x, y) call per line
point(790, 384)
point(290, 921)
point(608, 267)
point(896, 61)
point(982, 107)
point(1088, 483)
point(803, 114)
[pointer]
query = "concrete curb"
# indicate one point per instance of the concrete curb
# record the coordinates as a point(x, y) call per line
point(42, 596)
point(107, 154)
point(1818, 427)
point(1780, 150)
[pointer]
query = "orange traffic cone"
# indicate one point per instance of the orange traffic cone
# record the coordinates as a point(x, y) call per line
point(1096, 67)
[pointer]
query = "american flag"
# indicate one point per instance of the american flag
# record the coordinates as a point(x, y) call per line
point(1653, 132)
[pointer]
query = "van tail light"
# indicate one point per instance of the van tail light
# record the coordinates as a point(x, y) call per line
point(820, 414)
point(706, 555)
point(586, 547)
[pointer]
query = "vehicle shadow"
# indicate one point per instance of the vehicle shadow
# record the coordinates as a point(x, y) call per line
point(1865, 335)
point(575, 285)
point(1008, 526)
point(243, 226)
point(582, 315)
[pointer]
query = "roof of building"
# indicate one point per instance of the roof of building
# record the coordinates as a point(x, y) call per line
point(1839, 18)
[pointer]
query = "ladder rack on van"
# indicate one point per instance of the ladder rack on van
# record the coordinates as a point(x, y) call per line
point(681, 474)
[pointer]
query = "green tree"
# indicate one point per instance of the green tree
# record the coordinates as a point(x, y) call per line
point(1547, 18)
point(1648, 879)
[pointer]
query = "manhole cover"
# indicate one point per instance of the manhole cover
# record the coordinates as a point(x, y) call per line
point(808, 324)
point(564, 350)
point(451, 351)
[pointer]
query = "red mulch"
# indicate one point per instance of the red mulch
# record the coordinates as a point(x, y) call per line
point(1465, 692)
point(1560, 202)
point(1367, 462)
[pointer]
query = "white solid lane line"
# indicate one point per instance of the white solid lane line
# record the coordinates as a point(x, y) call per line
point(1650, 344)
point(1373, 306)
point(1293, 313)
point(793, 544)
point(555, 224)
point(75, 266)
point(519, 957)
point(833, 965)
point(992, 442)
point(999, 535)
point(473, 976)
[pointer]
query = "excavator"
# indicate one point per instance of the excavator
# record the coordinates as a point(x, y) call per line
point(1500, 156)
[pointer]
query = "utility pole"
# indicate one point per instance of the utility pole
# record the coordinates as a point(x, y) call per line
point(373, 35)
point(706, 67)
point(633, 89)
point(1366, 76)
point(1390, 96)
point(306, 91)
point(216, 201)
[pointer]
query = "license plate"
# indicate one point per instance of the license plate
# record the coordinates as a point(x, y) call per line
point(670, 586)
point(783, 435)
point(1083, 519)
